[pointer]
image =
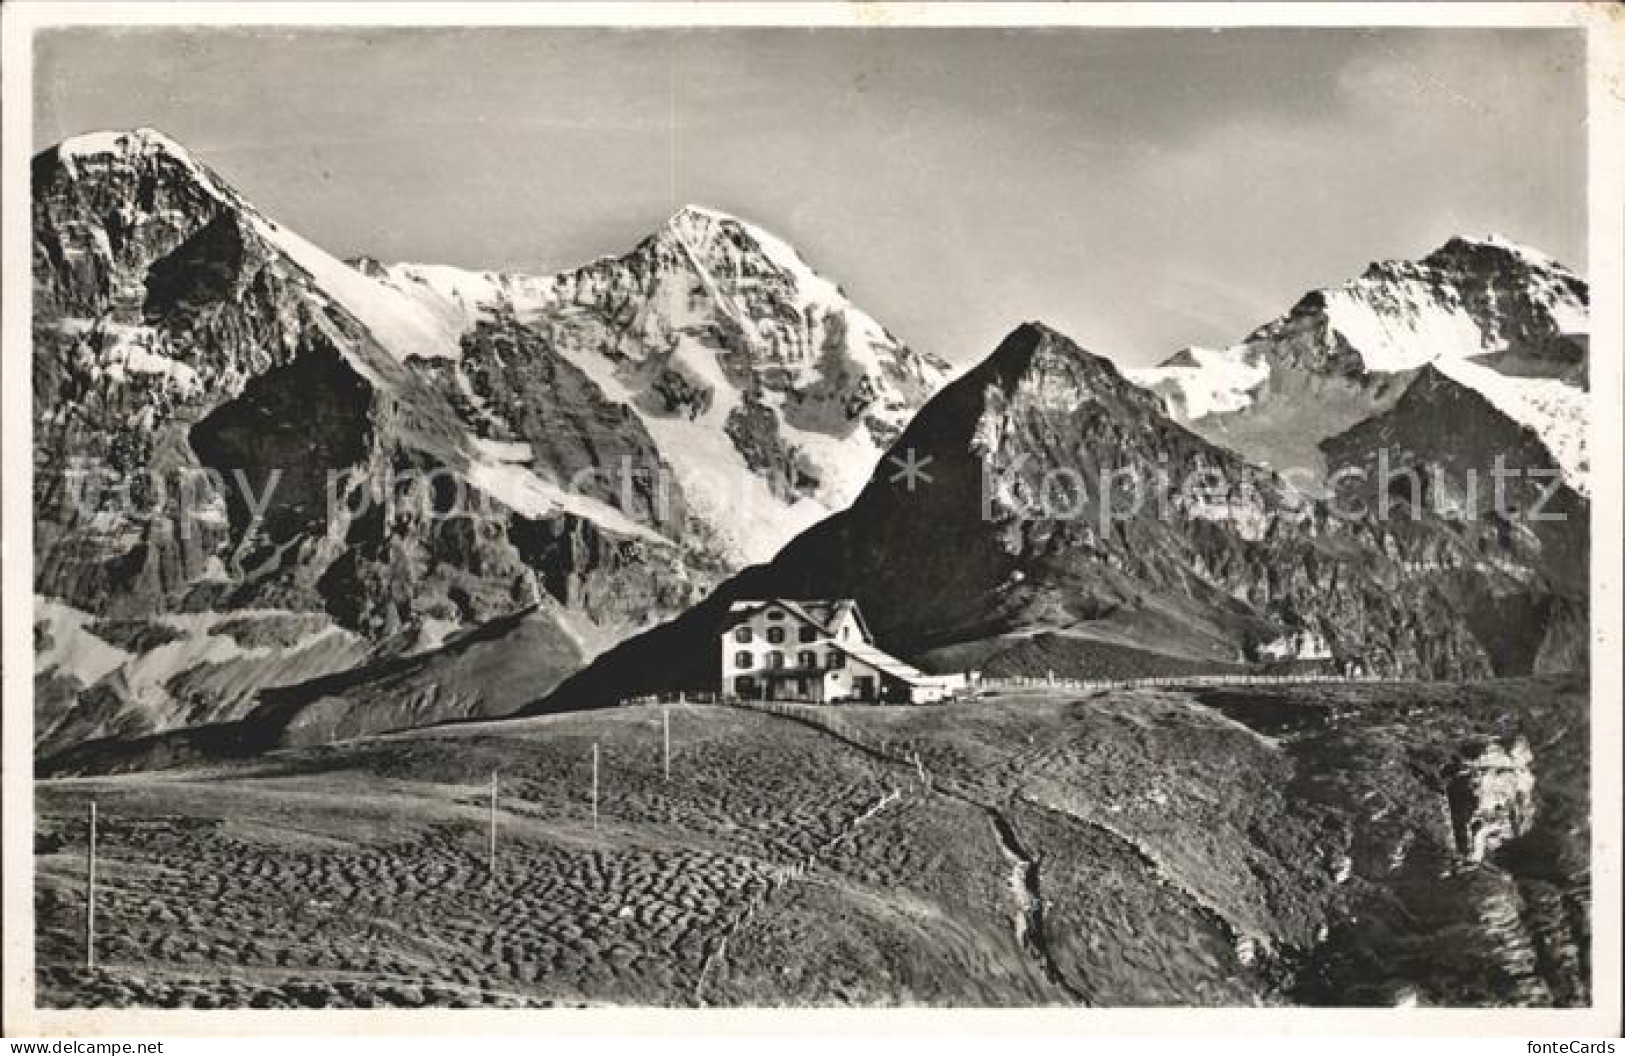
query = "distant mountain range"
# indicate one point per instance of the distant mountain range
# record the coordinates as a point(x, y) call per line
point(636, 432)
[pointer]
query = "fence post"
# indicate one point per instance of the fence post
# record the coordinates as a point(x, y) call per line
point(595, 785)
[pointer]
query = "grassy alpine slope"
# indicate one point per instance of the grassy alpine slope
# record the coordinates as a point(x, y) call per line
point(1284, 844)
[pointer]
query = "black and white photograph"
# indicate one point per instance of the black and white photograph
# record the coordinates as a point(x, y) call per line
point(863, 510)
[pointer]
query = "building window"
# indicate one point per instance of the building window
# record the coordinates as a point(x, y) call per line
point(742, 660)
point(807, 659)
point(775, 614)
point(807, 634)
point(775, 635)
point(837, 658)
point(775, 660)
point(742, 635)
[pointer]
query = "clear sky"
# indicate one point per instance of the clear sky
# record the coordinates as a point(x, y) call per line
point(1140, 190)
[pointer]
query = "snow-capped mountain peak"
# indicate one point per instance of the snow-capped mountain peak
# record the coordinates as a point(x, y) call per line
point(727, 250)
point(773, 394)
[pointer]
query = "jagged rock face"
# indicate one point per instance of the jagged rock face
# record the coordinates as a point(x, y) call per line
point(1492, 798)
point(777, 326)
point(1028, 528)
point(1500, 319)
point(768, 394)
point(230, 425)
point(1457, 839)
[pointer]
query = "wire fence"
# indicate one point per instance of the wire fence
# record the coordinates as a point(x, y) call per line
point(979, 685)
point(1235, 679)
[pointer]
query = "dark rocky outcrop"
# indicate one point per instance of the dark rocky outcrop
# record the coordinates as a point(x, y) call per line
point(1445, 449)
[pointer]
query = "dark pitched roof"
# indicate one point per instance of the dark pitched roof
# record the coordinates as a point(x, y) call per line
point(882, 661)
point(821, 613)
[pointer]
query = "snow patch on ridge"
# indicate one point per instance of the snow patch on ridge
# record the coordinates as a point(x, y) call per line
point(1402, 328)
point(149, 674)
point(1401, 315)
point(127, 349)
point(460, 297)
point(750, 521)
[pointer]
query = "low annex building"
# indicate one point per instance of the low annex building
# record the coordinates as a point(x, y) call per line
point(820, 652)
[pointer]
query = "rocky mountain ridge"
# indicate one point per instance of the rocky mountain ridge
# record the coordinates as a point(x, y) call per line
point(1504, 320)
